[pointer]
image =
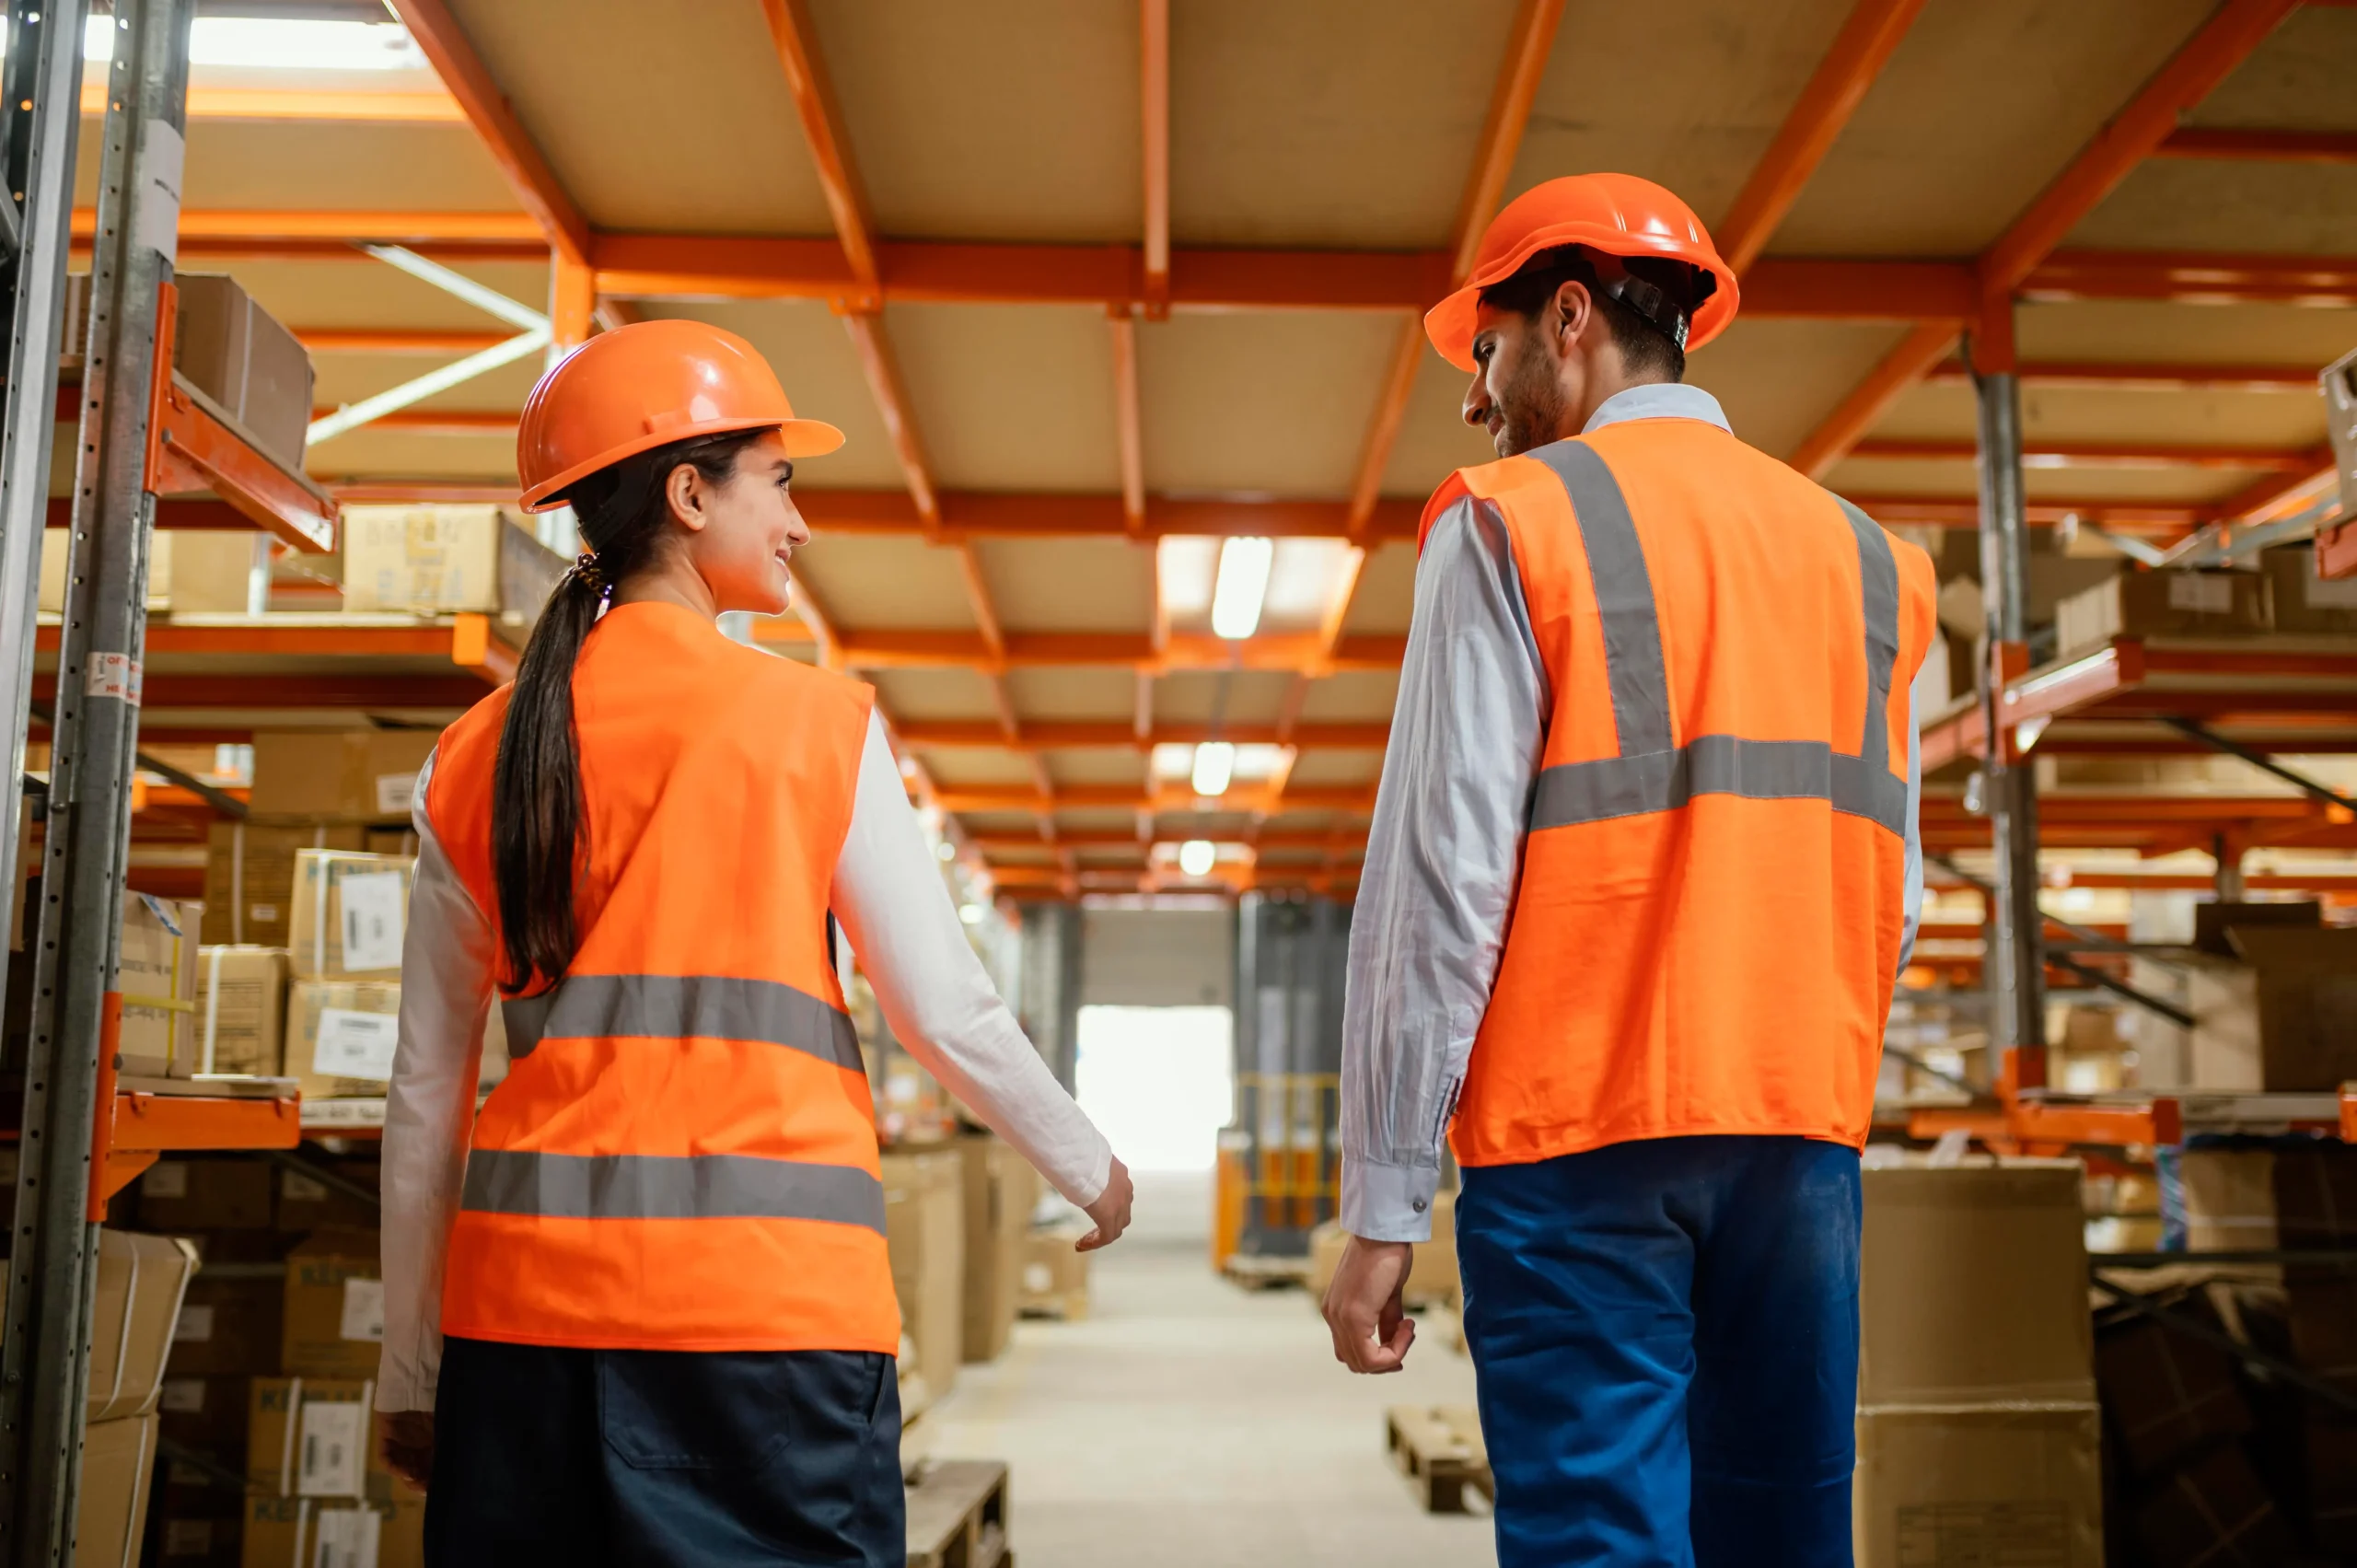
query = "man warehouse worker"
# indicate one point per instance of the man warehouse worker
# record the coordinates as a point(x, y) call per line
point(1643, 874)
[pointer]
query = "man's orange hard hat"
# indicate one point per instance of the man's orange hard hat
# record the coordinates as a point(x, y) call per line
point(644, 386)
point(1614, 215)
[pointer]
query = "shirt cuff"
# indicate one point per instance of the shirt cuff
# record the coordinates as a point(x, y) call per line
point(1388, 1203)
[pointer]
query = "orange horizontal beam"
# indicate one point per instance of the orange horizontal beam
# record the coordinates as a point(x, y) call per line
point(358, 690)
point(342, 228)
point(1294, 653)
point(431, 108)
point(396, 340)
point(2259, 146)
point(986, 513)
point(1243, 800)
point(2181, 376)
point(2193, 277)
point(2101, 454)
point(1964, 512)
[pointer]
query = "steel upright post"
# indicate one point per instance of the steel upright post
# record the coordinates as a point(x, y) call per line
point(94, 736)
point(2017, 968)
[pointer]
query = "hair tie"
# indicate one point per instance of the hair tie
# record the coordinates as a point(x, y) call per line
point(587, 571)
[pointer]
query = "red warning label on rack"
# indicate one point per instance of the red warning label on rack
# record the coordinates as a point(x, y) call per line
point(113, 675)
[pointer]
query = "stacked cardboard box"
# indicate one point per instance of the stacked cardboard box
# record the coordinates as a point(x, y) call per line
point(1000, 1189)
point(157, 976)
point(2161, 604)
point(2273, 994)
point(1055, 1278)
point(925, 1220)
point(1977, 1435)
point(442, 560)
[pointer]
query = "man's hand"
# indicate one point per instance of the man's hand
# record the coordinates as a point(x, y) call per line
point(1111, 1211)
point(407, 1439)
point(1372, 1331)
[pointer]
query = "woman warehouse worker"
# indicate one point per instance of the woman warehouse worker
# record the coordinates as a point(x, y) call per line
point(638, 1308)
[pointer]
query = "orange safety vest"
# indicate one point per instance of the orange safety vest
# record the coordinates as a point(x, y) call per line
point(683, 1154)
point(1707, 927)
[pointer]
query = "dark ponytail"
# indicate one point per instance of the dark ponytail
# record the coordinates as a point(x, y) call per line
point(536, 806)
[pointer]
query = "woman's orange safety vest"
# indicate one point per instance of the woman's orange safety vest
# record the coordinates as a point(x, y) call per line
point(1707, 928)
point(683, 1154)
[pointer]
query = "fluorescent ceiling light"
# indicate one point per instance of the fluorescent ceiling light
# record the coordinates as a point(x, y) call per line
point(1195, 857)
point(296, 44)
point(1214, 766)
point(1242, 587)
point(1184, 565)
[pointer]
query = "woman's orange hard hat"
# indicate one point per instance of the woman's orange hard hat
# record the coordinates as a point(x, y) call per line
point(644, 386)
point(1614, 215)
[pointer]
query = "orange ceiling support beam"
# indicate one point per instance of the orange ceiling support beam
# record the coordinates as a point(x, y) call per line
point(396, 340)
point(2287, 490)
point(1128, 417)
point(341, 228)
point(1864, 46)
point(1153, 99)
point(2040, 454)
point(2194, 277)
point(1285, 652)
point(2259, 146)
point(2203, 61)
point(281, 103)
point(1121, 735)
point(1964, 512)
point(1528, 44)
point(573, 303)
point(822, 128)
point(883, 373)
point(537, 188)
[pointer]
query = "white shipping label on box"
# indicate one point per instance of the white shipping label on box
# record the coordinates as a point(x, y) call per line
point(183, 1396)
point(356, 1045)
point(372, 920)
point(396, 794)
point(345, 1538)
point(334, 1456)
point(166, 1179)
point(195, 1323)
point(2204, 594)
point(364, 1310)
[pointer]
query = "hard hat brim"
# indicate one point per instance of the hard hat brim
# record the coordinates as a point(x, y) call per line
point(803, 438)
point(1449, 326)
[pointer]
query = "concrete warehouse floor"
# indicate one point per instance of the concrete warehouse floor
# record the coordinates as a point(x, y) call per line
point(1188, 1423)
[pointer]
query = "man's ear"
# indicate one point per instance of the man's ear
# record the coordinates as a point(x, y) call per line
point(1568, 315)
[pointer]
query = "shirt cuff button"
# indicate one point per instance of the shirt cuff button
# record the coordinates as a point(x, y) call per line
point(1418, 1205)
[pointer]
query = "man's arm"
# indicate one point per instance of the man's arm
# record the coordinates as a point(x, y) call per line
point(1433, 900)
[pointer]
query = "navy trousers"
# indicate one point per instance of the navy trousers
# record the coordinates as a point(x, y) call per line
point(549, 1455)
point(1665, 1339)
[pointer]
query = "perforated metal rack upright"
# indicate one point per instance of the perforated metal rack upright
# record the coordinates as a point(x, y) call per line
point(71, 1156)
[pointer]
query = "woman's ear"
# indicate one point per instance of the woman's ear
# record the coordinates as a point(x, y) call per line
point(686, 491)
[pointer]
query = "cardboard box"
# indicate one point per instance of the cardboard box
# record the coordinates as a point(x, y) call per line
point(2215, 1511)
point(312, 1437)
point(351, 913)
point(197, 1534)
point(2166, 1393)
point(1973, 1287)
point(204, 1194)
point(158, 978)
point(1055, 1278)
point(2163, 604)
point(1000, 1189)
point(55, 557)
point(1979, 1484)
point(2304, 603)
point(528, 573)
point(230, 1321)
point(141, 1280)
point(111, 1513)
point(424, 558)
point(207, 1414)
point(238, 355)
point(2284, 1019)
point(311, 1533)
point(925, 1222)
point(249, 877)
point(2218, 1199)
point(340, 1036)
point(339, 775)
point(190, 572)
point(306, 1204)
point(335, 1306)
point(241, 1010)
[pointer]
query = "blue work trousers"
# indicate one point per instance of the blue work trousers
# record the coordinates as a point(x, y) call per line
point(1666, 1337)
point(599, 1458)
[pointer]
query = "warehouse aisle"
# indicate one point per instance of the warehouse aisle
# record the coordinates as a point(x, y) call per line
point(1188, 1423)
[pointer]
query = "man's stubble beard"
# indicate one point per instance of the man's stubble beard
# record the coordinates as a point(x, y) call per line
point(1530, 407)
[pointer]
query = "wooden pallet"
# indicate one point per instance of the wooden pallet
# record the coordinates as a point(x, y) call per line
point(1267, 1274)
point(957, 1515)
point(1069, 1306)
point(1439, 1449)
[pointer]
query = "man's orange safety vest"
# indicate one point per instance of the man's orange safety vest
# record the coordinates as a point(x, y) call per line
point(1707, 928)
point(683, 1155)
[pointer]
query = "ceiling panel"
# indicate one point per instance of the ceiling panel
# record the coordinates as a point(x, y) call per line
point(2221, 205)
point(1059, 694)
point(277, 165)
point(2147, 330)
point(918, 696)
point(1886, 476)
point(1070, 585)
point(1273, 402)
point(1011, 397)
point(1097, 766)
point(1386, 596)
point(868, 581)
point(2280, 420)
point(2298, 79)
point(1357, 696)
point(363, 292)
point(971, 767)
point(382, 455)
point(1252, 696)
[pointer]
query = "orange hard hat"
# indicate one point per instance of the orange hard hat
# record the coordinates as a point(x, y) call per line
point(644, 386)
point(1613, 214)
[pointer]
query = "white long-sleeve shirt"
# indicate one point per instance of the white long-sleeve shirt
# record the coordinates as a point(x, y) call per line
point(895, 910)
point(1443, 853)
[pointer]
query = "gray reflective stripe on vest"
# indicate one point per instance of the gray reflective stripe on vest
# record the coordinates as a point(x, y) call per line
point(1650, 774)
point(668, 1186)
point(663, 1007)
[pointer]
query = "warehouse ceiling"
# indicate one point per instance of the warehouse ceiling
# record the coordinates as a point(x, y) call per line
point(950, 219)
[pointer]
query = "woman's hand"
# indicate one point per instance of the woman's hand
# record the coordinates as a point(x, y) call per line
point(407, 1439)
point(1111, 1211)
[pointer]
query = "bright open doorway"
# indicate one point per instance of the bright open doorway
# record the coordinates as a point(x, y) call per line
point(1160, 1081)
